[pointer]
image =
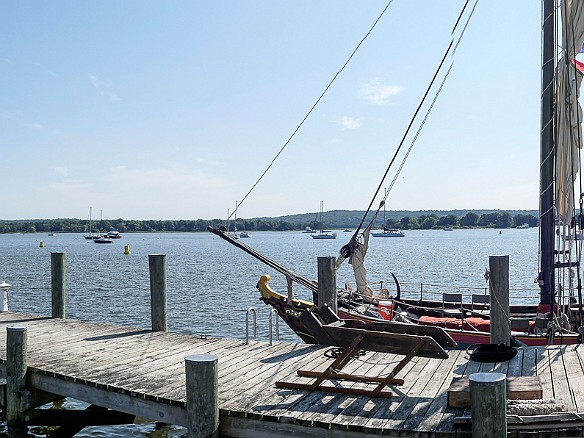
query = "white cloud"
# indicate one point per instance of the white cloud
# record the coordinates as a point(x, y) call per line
point(103, 88)
point(378, 94)
point(96, 82)
point(350, 122)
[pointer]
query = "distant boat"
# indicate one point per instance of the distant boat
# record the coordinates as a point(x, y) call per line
point(388, 233)
point(102, 239)
point(323, 234)
point(90, 236)
point(308, 230)
point(523, 226)
point(244, 234)
point(51, 234)
point(113, 234)
point(448, 229)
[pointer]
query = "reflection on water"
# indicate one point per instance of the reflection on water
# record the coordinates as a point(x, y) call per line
point(212, 284)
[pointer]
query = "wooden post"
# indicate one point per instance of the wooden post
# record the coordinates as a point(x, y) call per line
point(158, 307)
point(499, 291)
point(16, 347)
point(488, 404)
point(58, 270)
point(327, 283)
point(202, 395)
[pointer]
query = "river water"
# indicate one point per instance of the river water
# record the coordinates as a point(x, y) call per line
point(211, 284)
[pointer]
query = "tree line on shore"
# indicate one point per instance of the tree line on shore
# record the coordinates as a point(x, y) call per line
point(424, 221)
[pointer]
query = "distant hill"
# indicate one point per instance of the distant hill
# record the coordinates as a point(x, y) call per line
point(340, 219)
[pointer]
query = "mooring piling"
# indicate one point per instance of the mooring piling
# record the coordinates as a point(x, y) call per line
point(158, 299)
point(58, 273)
point(327, 283)
point(202, 395)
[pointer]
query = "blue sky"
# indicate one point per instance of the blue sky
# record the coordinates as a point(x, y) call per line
point(172, 110)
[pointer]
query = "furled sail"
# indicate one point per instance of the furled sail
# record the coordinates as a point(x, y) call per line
point(356, 255)
point(568, 111)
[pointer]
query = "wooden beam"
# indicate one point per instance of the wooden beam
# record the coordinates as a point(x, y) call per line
point(118, 401)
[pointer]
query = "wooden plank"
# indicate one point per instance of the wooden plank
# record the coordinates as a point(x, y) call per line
point(435, 388)
point(326, 402)
point(575, 368)
point(261, 391)
point(446, 423)
point(231, 368)
point(435, 412)
point(392, 413)
point(316, 401)
point(281, 404)
point(518, 388)
point(562, 393)
point(544, 371)
point(528, 364)
point(330, 411)
point(110, 399)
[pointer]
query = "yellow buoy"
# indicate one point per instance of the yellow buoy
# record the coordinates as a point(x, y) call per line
point(42, 244)
point(127, 249)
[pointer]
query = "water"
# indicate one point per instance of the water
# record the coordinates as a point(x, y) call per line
point(211, 284)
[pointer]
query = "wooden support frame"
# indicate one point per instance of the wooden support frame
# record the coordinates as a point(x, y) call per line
point(333, 372)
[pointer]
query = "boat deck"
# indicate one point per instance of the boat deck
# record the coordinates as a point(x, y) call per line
point(142, 372)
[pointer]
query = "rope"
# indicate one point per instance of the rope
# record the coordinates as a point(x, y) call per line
point(315, 104)
point(451, 49)
point(309, 284)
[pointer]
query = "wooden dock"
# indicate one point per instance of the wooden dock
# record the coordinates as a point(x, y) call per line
point(141, 372)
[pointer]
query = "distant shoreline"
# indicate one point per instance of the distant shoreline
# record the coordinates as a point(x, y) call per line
point(338, 220)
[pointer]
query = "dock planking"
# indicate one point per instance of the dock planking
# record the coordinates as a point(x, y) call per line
point(141, 372)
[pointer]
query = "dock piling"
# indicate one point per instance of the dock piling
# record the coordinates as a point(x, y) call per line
point(327, 283)
point(16, 364)
point(202, 395)
point(499, 290)
point(158, 301)
point(58, 271)
point(488, 403)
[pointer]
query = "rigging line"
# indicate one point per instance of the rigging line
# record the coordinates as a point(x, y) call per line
point(413, 119)
point(577, 222)
point(317, 101)
point(417, 134)
point(407, 154)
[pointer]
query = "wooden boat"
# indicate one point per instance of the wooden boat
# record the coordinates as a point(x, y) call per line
point(558, 317)
point(465, 331)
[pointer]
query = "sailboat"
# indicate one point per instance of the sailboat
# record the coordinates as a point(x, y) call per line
point(387, 232)
point(323, 234)
point(558, 317)
point(90, 236)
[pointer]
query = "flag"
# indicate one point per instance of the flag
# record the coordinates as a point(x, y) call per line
point(579, 65)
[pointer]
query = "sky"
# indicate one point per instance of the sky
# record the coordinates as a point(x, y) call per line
point(173, 110)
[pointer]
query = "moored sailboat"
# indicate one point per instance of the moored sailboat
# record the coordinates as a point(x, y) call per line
point(323, 234)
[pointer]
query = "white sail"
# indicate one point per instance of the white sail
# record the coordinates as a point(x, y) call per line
point(568, 112)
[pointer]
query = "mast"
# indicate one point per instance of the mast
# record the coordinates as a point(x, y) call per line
point(546, 198)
